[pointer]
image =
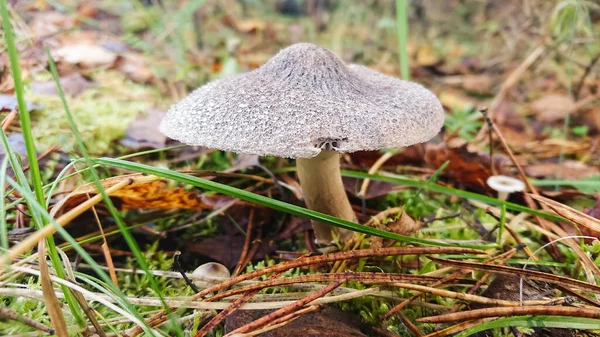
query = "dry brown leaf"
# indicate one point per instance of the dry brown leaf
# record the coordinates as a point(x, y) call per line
point(85, 55)
point(73, 84)
point(479, 84)
point(133, 66)
point(143, 132)
point(403, 225)
point(553, 107)
point(469, 168)
point(569, 213)
point(145, 192)
point(569, 169)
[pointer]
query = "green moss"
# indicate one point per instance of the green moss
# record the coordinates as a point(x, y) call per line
point(102, 113)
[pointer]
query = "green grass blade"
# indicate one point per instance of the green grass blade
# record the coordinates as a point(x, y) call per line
point(11, 47)
point(135, 249)
point(34, 168)
point(3, 223)
point(536, 321)
point(402, 26)
point(451, 191)
point(268, 202)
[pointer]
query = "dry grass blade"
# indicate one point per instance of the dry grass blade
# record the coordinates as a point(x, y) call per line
point(513, 311)
point(50, 299)
point(569, 213)
point(285, 310)
point(532, 274)
point(64, 219)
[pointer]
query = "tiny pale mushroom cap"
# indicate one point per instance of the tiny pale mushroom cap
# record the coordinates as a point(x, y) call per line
point(303, 100)
point(504, 184)
point(211, 270)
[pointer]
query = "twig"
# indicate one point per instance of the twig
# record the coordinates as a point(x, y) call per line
point(372, 278)
point(314, 260)
point(178, 267)
point(586, 72)
point(9, 314)
point(532, 274)
point(242, 260)
point(446, 279)
point(285, 310)
point(513, 311)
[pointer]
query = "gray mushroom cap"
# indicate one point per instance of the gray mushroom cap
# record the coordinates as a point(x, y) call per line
point(303, 100)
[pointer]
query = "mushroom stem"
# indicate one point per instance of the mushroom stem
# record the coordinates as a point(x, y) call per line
point(502, 196)
point(324, 192)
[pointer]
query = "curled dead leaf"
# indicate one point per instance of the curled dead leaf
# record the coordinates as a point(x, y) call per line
point(145, 192)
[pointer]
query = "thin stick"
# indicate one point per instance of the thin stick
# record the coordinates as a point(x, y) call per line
point(382, 278)
point(8, 314)
point(247, 241)
point(451, 277)
point(532, 274)
point(285, 310)
point(513, 311)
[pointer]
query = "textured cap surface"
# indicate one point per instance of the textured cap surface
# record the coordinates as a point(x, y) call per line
point(303, 100)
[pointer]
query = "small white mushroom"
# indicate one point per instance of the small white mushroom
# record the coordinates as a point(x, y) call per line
point(306, 103)
point(505, 185)
point(211, 270)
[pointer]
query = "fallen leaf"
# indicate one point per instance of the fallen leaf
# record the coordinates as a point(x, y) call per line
point(389, 220)
point(374, 190)
point(456, 100)
point(132, 65)
point(469, 168)
point(427, 56)
point(569, 170)
point(143, 133)
point(553, 107)
point(85, 55)
point(73, 84)
point(478, 84)
point(328, 322)
point(145, 192)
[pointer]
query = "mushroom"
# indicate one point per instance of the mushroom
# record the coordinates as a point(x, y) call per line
point(306, 103)
point(211, 270)
point(505, 185)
